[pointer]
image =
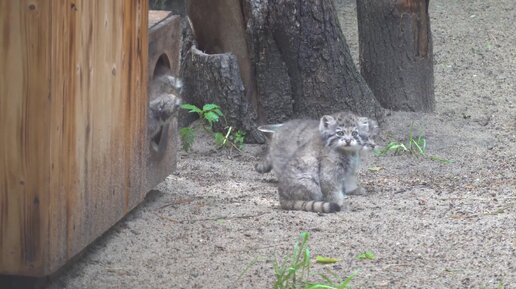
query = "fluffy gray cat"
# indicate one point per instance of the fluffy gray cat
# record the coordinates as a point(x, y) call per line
point(316, 161)
point(166, 104)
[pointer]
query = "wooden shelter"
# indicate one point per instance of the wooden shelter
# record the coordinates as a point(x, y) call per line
point(75, 156)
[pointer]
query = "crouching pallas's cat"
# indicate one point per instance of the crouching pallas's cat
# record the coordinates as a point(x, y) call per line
point(315, 161)
point(165, 105)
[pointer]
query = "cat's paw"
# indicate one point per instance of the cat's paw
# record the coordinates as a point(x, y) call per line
point(263, 167)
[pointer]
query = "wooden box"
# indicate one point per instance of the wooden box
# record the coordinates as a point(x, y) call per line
point(74, 151)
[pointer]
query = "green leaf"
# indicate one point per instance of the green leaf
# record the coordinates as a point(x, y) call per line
point(398, 148)
point(239, 139)
point(326, 278)
point(441, 160)
point(306, 257)
point(191, 108)
point(395, 147)
point(375, 169)
point(378, 152)
point(187, 136)
point(210, 106)
point(325, 260)
point(420, 144)
point(218, 111)
point(367, 255)
point(410, 135)
point(219, 139)
point(346, 282)
point(211, 117)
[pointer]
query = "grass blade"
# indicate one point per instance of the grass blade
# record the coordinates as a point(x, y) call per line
point(346, 282)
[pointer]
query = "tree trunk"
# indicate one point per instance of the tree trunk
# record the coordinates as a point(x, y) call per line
point(303, 62)
point(292, 57)
point(396, 56)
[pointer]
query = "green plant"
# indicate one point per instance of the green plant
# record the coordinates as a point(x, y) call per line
point(210, 114)
point(414, 146)
point(367, 255)
point(330, 283)
point(294, 271)
point(235, 139)
point(441, 160)
point(187, 136)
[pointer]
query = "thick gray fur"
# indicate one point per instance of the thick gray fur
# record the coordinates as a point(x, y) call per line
point(165, 105)
point(316, 161)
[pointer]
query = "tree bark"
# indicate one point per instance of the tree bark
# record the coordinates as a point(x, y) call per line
point(303, 62)
point(396, 57)
point(215, 78)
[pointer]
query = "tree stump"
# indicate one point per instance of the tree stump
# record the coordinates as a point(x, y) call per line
point(215, 78)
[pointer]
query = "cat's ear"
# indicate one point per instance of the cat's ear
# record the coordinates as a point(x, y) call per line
point(368, 125)
point(176, 83)
point(327, 123)
point(171, 83)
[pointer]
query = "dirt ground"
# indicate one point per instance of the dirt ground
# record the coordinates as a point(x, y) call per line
point(430, 224)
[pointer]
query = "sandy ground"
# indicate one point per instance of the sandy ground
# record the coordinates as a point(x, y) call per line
point(430, 225)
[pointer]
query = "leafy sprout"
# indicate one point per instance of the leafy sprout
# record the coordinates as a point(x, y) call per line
point(367, 255)
point(187, 136)
point(210, 114)
point(415, 145)
point(293, 272)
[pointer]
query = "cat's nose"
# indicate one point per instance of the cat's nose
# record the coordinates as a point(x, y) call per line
point(348, 141)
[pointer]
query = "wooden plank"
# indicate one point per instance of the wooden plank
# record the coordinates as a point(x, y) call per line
point(74, 152)
point(164, 46)
point(73, 114)
point(24, 127)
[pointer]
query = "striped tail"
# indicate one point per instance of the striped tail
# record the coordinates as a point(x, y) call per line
point(310, 206)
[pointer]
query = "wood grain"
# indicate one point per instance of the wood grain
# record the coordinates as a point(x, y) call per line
point(74, 154)
point(24, 162)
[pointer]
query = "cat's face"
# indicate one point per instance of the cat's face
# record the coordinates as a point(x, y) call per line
point(347, 132)
point(166, 105)
point(170, 84)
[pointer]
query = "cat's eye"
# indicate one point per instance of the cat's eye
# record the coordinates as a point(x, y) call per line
point(340, 133)
point(354, 133)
